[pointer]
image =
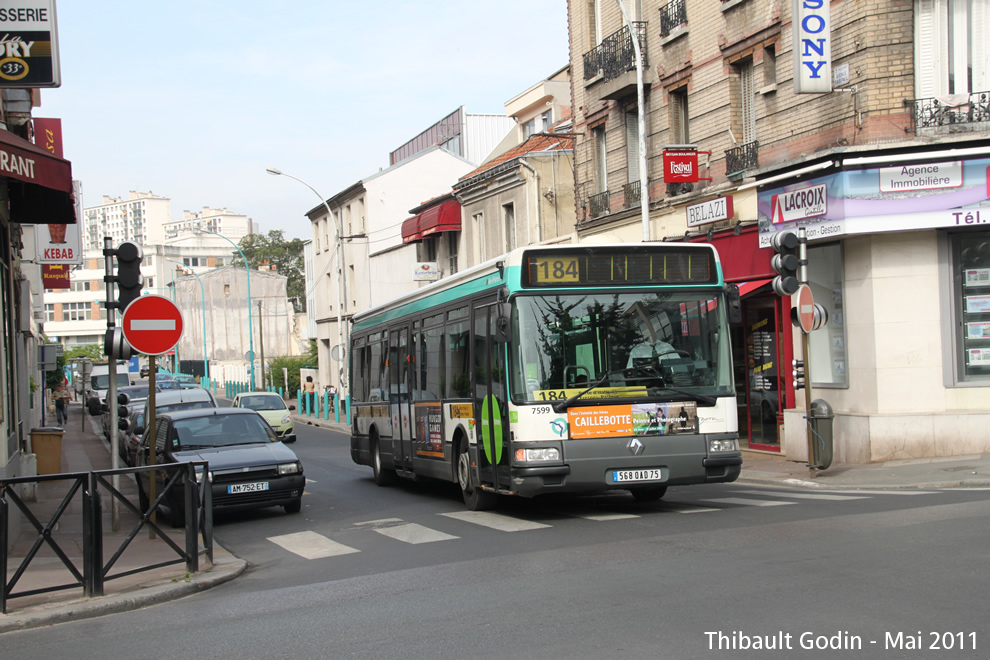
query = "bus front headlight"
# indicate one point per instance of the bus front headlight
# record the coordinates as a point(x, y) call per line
point(722, 444)
point(542, 454)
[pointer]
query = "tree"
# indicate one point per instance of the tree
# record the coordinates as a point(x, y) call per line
point(284, 257)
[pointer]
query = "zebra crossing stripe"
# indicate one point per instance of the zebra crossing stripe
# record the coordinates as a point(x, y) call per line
point(310, 545)
point(414, 534)
point(678, 507)
point(495, 521)
point(600, 517)
point(742, 501)
point(807, 496)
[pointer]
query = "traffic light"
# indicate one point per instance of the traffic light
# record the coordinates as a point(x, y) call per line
point(786, 262)
point(798, 374)
point(128, 278)
point(123, 423)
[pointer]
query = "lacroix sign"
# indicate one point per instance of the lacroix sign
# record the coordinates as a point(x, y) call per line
point(800, 204)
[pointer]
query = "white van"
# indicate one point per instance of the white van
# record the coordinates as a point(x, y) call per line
point(99, 381)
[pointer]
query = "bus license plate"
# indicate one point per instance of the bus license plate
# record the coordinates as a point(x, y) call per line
point(247, 488)
point(651, 474)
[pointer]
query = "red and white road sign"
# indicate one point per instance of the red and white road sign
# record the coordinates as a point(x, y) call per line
point(152, 325)
point(806, 308)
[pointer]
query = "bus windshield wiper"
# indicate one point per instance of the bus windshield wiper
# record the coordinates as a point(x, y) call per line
point(561, 406)
point(704, 398)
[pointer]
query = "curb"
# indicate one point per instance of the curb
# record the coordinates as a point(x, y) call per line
point(818, 485)
point(225, 569)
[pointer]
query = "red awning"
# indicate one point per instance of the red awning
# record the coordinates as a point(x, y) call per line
point(442, 217)
point(40, 184)
point(750, 287)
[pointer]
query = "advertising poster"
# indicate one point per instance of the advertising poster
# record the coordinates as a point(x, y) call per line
point(980, 330)
point(634, 420)
point(977, 304)
point(429, 430)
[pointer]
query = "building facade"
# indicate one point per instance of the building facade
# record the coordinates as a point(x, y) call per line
point(870, 131)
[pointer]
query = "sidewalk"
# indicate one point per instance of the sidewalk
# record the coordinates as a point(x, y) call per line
point(84, 450)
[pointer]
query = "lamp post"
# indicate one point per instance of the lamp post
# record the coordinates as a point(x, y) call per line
point(338, 248)
point(247, 270)
point(644, 175)
point(202, 292)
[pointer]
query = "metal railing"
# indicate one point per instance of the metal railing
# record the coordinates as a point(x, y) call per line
point(598, 205)
point(615, 54)
point(630, 194)
point(91, 576)
point(934, 113)
point(672, 15)
point(742, 158)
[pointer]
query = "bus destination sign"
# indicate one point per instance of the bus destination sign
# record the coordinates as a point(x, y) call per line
point(628, 266)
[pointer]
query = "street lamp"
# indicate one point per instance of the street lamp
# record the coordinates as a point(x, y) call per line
point(338, 248)
point(247, 270)
point(202, 291)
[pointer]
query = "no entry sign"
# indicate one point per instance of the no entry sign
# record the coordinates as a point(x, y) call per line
point(152, 325)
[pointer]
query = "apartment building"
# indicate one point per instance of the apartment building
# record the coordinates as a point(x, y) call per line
point(867, 126)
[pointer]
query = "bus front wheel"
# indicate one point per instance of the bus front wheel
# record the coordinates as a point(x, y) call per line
point(475, 498)
point(383, 477)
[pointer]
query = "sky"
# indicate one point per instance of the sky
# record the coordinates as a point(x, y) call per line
point(193, 100)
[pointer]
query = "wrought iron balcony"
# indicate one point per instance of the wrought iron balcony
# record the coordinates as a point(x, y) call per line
point(630, 192)
point(951, 112)
point(598, 205)
point(615, 54)
point(742, 158)
point(672, 16)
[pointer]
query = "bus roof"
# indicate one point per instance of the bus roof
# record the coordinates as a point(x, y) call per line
point(506, 271)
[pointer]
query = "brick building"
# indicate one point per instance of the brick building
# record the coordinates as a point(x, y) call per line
point(880, 110)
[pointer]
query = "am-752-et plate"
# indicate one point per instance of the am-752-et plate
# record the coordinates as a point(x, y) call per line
point(233, 489)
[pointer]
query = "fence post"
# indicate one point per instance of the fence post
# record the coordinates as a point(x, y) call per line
point(92, 539)
point(191, 492)
point(3, 550)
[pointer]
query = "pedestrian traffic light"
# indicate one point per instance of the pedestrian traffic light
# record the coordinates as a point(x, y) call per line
point(786, 262)
point(128, 278)
point(798, 374)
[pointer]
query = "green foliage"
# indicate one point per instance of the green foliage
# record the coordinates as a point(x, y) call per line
point(285, 258)
point(292, 363)
point(92, 351)
point(312, 354)
point(55, 378)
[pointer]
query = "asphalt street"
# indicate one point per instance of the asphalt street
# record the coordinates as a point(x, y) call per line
point(407, 572)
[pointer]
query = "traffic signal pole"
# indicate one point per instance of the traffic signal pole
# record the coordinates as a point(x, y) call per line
point(108, 253)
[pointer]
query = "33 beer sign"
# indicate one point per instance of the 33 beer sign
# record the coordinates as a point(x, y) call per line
point(29, 44)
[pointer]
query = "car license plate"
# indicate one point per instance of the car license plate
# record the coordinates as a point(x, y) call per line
point(247, 488)
point(650, 474)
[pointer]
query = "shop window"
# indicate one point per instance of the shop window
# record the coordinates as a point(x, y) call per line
point(829, 356)
point(970, 266)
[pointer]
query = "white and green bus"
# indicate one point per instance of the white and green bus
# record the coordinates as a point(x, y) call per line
point(564, 369)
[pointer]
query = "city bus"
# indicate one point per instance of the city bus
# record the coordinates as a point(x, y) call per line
point(553, 369)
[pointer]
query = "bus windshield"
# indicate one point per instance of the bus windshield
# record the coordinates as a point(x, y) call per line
point(621, 345)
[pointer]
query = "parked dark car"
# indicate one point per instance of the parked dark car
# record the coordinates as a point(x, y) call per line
point(165, 384)
point(144, 371)
point(136, 396)
point(248, 465)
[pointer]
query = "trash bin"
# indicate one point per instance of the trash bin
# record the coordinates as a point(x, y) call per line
point(820, 417)
point(47, 446)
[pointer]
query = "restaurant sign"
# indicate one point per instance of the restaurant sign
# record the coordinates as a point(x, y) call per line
point(29, 46)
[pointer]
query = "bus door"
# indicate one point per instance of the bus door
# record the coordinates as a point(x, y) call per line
point(490, 397)
point(400, 403)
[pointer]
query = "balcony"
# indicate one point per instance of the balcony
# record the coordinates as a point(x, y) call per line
point(742, 158)
point(615, 61)
point(958, 113)
point(630, 194)
point(598, 205)
point(672, 16)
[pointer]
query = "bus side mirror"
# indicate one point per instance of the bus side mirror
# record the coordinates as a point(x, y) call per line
point(734, 303)
point(503, 323)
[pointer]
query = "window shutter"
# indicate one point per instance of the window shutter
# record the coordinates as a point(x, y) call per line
point(632, 146)
point(931, 36)
point(748, 104)
point(980, 50)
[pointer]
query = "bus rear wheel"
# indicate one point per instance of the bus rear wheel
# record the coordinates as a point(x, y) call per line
point(474, 498)
point(649, 493)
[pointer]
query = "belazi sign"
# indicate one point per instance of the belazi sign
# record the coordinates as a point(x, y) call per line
point(812, 46)
point(800, 204)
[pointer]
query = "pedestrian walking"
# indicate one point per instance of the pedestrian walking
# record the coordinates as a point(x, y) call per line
point(332, 391)
point(61, 405)
point(309, 387)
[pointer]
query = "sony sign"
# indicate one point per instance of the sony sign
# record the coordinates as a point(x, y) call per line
point(812, 46)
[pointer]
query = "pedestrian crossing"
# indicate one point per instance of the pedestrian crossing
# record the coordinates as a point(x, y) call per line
point(312, 545)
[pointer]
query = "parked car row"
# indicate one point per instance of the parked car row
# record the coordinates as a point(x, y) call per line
point(249, 464)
